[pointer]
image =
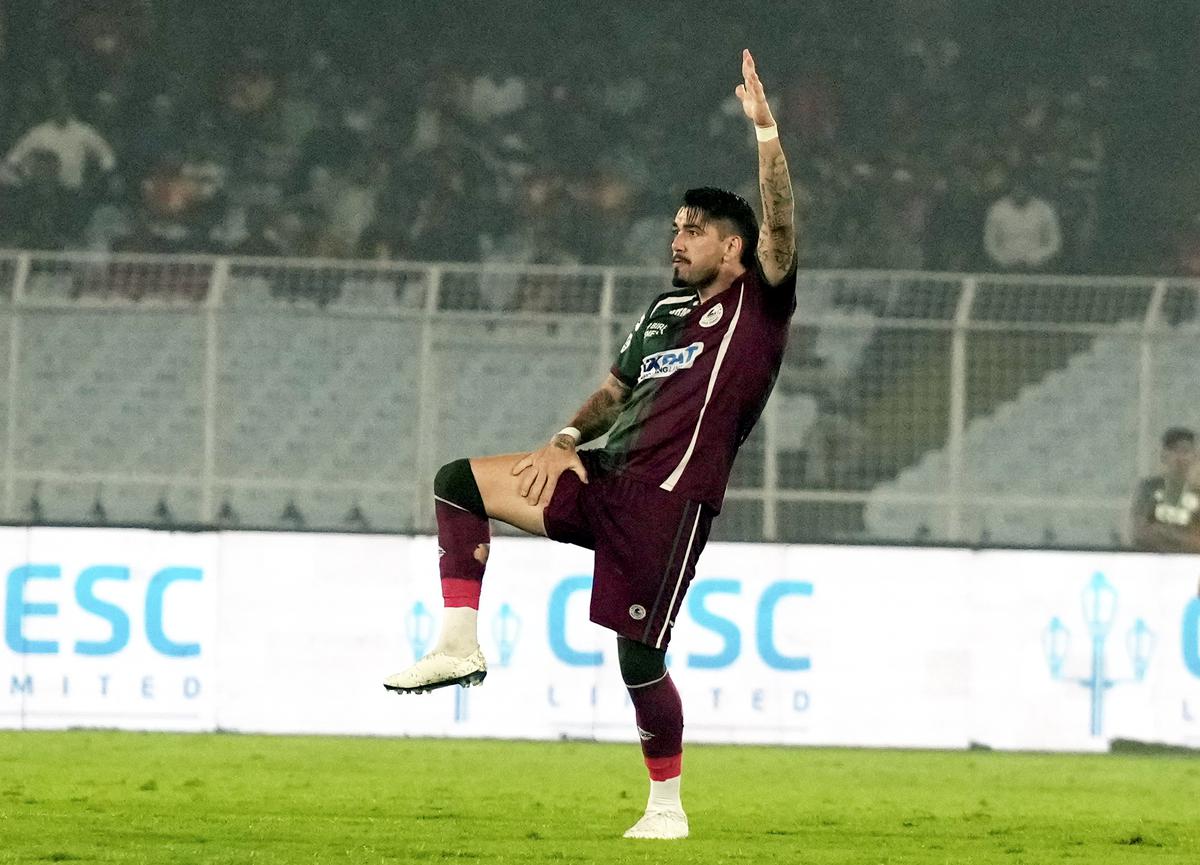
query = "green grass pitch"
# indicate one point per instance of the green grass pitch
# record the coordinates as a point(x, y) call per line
point(156, 798)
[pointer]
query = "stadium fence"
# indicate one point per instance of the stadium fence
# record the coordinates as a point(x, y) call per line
point(172, 390)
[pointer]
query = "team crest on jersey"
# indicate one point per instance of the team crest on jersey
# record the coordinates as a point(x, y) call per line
point(664, 363)
point(712, 316)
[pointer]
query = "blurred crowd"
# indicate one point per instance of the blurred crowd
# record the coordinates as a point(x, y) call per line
point(924, 134)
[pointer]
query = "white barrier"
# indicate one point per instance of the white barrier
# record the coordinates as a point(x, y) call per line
point(807, 645)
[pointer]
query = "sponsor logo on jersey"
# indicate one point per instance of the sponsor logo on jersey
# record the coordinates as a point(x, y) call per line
point(712, 316)
point(664, 363)
point(656, 328)
point(682, 312)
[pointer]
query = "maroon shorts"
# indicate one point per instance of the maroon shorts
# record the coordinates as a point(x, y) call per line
point(646, 539)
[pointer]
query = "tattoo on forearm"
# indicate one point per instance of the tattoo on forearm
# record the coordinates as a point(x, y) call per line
point(776, 186)
point(777, 240)
point(598, 413)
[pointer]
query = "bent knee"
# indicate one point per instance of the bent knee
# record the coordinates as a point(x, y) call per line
point(455, 483)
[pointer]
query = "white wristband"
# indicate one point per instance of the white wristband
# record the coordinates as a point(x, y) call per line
point(766, 133)
point(571, 431)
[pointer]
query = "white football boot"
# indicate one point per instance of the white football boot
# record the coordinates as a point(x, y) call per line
point(660, 825)
point(438, 670)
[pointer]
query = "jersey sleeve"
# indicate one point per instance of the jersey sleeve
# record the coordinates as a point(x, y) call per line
point(628, 365)
point(781, 298)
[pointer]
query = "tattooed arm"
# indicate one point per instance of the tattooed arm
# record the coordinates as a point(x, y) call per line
point(777, 234)
point(540, 470)
point(599, 411)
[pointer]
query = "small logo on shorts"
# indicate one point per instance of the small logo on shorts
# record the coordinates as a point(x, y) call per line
point(712, 316)
point(637, 612)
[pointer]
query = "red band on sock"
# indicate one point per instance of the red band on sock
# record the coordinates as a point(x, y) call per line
point(463, 538)
point(461, 593)
point(665, 768)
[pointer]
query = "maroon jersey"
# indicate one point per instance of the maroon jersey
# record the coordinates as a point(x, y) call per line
point(701, 374)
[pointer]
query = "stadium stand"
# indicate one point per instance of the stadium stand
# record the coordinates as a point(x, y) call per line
point(1072, 436)
point(288, 129)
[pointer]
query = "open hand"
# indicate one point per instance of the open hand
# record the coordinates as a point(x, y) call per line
point(750, 93)
point(539, 471)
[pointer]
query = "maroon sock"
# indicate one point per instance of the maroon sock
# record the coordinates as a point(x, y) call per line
point(660, 725)
point(463, 542)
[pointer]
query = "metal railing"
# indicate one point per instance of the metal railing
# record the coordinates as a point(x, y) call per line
point(324, 394)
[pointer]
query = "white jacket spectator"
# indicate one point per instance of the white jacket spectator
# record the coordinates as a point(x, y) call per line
point(71, 140)
point(1021, 231)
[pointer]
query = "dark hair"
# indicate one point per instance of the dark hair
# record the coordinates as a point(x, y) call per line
point(1177, 434)
point(732, 208)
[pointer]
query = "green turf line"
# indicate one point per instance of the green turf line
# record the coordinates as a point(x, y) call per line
point(163, 799)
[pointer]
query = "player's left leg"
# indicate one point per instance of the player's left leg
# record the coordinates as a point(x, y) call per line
point(659, 713)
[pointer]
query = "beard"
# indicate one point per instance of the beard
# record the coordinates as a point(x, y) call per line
point(698, 280)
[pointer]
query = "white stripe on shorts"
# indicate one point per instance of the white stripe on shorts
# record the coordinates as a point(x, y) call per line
point(679, 581)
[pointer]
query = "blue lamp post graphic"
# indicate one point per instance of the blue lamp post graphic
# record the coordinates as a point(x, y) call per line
point(506, 628)
point(418, 626)
point(1099, 613)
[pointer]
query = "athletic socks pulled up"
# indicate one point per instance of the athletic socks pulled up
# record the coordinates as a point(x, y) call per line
point(464, 534)
point(463, 543)
point(659, 713)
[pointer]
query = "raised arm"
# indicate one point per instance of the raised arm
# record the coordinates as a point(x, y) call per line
point(777, 234)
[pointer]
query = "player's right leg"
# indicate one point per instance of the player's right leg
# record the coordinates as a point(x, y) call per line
point(466, 494)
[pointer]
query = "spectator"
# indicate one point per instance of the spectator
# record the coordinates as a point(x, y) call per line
point(206, 173)
point(171, 198)
point(1164, 515)
point(110, 220)
point(871, 106)
point(1021, 231)
point(331, 145)
point(249, 94)
point(261, 240)
point(156, 130)
point(142, 236)
point(40, 212)
point(955, 224)
point(74, 143)
point(351, 206)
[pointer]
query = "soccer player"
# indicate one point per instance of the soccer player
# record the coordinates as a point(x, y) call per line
point(687, 387)
point(1166, 507)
